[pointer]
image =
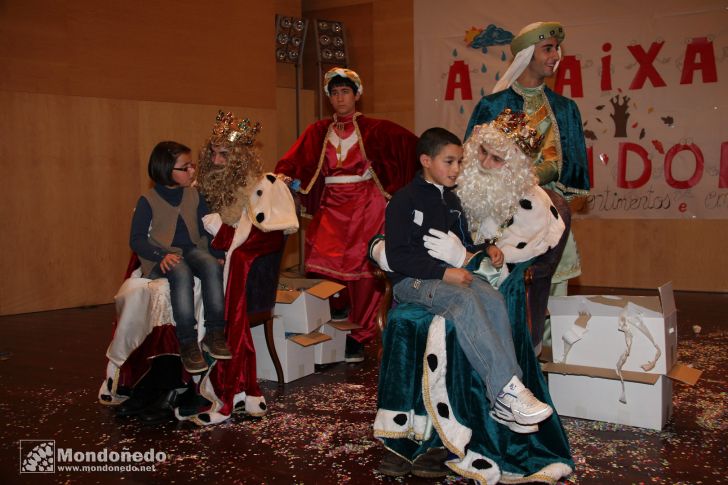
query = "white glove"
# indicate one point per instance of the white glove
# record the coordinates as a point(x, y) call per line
point(212, 223)
point(377, 253)
point(445, 247)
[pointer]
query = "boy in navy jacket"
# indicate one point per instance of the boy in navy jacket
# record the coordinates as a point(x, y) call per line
point(427, 245)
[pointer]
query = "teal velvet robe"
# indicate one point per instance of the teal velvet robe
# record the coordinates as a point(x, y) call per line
point(574, 176)
point(421, 408)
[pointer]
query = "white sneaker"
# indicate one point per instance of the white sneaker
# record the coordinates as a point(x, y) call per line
point(513, 426)
point(516, 403)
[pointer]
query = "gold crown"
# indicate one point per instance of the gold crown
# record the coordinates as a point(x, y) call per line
point(516, 128)
point(230, 130)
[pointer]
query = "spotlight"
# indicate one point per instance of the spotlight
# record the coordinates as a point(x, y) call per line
point(290, 38)
point(331, 46)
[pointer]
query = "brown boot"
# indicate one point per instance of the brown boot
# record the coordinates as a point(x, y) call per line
point(192, 358)
point(394, 465)
point(431, 464)
point(215, 344)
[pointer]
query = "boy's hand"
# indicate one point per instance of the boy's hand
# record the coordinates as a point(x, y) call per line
point(445, 247)
point(496, 256)
point(170, 261)
point(458, 277)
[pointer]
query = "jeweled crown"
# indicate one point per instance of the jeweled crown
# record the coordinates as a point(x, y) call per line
point(231, 130)
point(515, 126)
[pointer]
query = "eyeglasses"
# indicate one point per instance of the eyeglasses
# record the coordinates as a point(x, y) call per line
point(185, 168)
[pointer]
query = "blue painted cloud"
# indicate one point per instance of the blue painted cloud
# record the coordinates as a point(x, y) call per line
point(491, 35)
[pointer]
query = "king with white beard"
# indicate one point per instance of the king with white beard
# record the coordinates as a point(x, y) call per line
point(499, 193)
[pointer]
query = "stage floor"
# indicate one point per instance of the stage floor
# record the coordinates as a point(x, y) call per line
point(318, 429)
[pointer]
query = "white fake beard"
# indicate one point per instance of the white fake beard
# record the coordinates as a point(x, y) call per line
point(492, 193)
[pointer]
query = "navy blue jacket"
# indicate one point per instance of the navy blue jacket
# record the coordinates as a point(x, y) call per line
point(412, 212)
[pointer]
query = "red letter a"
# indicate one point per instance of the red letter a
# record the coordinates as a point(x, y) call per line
point(572, 66)
point(458, 78)
point(700, 46)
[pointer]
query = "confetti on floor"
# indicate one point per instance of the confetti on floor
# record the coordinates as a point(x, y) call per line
point(318, 429)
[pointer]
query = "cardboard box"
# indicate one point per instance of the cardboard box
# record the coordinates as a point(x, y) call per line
point(584, 395)
point(592, 325)
point(591, 338)
point(594, 393)
point(296, 352)
point(334, 349)
point(304, 303)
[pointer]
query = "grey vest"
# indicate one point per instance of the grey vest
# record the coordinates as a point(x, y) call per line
point(164, 223)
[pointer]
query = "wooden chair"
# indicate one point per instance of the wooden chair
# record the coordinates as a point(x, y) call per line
point(261, 294)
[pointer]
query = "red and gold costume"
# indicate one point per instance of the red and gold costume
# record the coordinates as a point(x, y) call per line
point(348, 168)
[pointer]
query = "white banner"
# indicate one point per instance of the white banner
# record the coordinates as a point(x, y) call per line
point(650, 79)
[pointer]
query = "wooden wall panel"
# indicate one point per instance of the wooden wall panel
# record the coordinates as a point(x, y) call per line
point(644, 253)
point(72, 175)
point(286, 129)
point(60, 210)
point(86, 90)
point(286, 136)
point(177, 51)
point(393, 44)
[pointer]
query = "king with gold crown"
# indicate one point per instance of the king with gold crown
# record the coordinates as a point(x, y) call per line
point(251, 213)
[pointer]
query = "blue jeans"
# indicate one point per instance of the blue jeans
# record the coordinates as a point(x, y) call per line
point(200, 263)
point(481, 325)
